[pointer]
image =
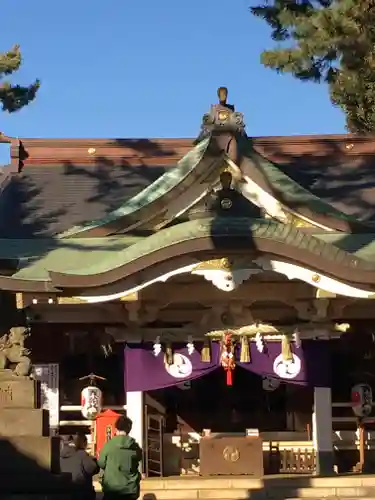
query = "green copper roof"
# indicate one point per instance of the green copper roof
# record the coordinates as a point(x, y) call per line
point(163, 185)
point(37, 257)
point(290, 189)
point(90, 256)
point(362, 245)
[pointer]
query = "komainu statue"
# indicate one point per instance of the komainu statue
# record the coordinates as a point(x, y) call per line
point(13, 354)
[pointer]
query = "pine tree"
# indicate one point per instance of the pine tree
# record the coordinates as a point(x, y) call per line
point(330, 41)
point(14, 97)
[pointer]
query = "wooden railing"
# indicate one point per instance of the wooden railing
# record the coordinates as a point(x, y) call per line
point(298, 461)
point(290, 460)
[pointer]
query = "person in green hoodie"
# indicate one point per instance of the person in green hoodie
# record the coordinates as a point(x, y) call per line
point(119, 459)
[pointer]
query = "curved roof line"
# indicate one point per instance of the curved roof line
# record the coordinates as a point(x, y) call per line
point(223, 235)
point(292, 195)
point(153, 201)
point(198, 267)
point(26, 285)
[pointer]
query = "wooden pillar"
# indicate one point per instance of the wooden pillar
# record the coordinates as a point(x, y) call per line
point(322, 431)
point(135, 411)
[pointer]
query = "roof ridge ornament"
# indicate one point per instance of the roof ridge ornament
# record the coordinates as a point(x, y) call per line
point(222, 117)
point(222, 93)
point(227, 201)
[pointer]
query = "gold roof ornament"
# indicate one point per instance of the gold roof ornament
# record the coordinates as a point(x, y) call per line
point(222, 93)
point(130, 297)
point(341, 327)
point(223, 264)
point(233, 169)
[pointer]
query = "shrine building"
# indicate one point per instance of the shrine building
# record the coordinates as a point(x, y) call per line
point(221, 285)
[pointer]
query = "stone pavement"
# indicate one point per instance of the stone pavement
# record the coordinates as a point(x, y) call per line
point(343, 487)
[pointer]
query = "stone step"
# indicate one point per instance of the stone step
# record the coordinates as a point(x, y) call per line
point(326, 493)
point(281, 497)
point(269, 488)
point(229, 482)
point(235, 494)
point(269, 493)
point(197, 483)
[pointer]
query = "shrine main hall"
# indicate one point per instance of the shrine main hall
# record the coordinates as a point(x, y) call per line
point(222, 284)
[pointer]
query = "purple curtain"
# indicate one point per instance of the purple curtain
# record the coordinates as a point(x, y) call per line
point(310, 366)
point(146, 372)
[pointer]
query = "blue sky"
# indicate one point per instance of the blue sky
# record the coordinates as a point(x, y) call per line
point(150, 68)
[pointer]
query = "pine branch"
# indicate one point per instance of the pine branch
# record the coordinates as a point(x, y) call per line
point(14, 97)
point(332, 42)
point(10, 61)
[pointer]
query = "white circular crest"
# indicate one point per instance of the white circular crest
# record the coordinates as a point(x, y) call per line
point(181, 367)
point(287, 369)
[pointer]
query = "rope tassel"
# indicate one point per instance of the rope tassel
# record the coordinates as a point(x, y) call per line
point(286, 350)
point(245, 356)
point(206, 352)
point(168, 356)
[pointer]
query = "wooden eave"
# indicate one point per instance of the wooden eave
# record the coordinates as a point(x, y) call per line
point(134, 152)
point(188, 243)
point(277, 148)
point(169, 151)
point(301, 249)
point(244, 151)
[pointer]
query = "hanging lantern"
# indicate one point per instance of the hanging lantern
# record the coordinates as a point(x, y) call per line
point(361, 396)
point(227, 357)
point(91, 402)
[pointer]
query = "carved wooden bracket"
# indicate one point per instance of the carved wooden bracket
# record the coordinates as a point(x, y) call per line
point(221, 316)
point(313, 310)
point(141, 313)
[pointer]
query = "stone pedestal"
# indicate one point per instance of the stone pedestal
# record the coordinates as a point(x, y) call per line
point(29, 457)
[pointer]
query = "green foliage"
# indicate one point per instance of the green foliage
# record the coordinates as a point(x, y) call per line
point(14, 97)
point(330, 41)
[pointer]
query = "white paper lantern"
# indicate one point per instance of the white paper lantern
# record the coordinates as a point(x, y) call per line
point(361, 400)
point(91, 402)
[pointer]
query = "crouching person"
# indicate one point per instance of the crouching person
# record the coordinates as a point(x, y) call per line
point(119, 459)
